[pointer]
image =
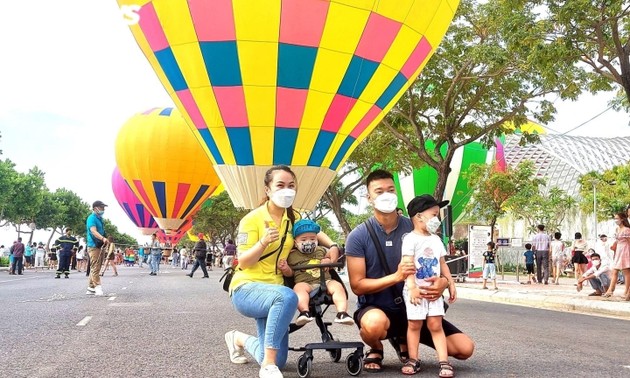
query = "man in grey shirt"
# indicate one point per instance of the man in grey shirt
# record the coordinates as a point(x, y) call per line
point(542, 250)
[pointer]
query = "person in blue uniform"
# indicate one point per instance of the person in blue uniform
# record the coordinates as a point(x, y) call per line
point(65, 244)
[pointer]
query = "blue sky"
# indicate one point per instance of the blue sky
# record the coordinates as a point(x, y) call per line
point(71, 74)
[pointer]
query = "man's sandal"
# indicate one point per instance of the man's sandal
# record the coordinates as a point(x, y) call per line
point(396, 342)
point(373, 360)
point(411, 367)
point(446, 370)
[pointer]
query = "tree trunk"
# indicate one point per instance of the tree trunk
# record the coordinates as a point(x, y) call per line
point(493, 223)
point(440, 186)
point(335, 204)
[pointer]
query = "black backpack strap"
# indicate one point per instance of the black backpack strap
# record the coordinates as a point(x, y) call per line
point(398, 298)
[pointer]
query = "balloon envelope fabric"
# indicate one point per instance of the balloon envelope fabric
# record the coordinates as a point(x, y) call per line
point(132, 206)
point(423, 180)
point(295, 82)
point(164, 165)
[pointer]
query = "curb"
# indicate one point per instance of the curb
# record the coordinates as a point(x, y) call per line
point(549, 302)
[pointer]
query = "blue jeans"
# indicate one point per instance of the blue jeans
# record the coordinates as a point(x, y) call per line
point(600, 283)
point(273, 307)
point(155, 262)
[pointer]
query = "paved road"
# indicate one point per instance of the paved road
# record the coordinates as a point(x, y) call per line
point(173, 326)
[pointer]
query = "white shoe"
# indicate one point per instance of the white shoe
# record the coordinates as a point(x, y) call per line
point(344, 318)
point(236, 352)
point(270, 371)
point(90, 291)
point(304, 318)
point(98, 291)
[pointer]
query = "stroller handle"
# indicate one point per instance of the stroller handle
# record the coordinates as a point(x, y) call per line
point(311, 266)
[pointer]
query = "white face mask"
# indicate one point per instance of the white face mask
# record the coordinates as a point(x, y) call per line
point(283, 197)
point(386, 202)
point(433, 225)
point(596, 263)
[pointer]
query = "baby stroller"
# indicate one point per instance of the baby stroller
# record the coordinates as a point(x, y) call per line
point(318, 305)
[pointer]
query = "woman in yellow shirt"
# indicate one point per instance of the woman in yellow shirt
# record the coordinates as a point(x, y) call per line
point(257, 289)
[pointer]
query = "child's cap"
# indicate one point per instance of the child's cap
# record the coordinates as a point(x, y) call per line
point(305, 225)
point(422, 203)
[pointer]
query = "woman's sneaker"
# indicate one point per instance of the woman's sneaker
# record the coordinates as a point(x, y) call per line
point(270, 371)
point(303, 318)
point(343, 318)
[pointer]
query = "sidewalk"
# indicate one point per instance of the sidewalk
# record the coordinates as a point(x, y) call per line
point(562, 297)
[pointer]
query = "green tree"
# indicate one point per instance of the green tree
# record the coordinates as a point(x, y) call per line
point(593, 37)
point(27, 195)
point(8, 178)
point(612, 188)
point(120, 239)
point(542, 207)
point(481, 83)
point(494, 191)
point(219, 220)
point(379, 149)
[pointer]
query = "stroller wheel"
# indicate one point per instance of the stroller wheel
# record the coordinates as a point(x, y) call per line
point(304, 366)
point(354, 364)
point(335, 354)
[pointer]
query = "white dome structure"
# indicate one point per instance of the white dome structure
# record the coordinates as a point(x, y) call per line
point(561, 159)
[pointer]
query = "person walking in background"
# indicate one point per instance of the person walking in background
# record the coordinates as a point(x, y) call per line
point(558, 259)
point(29, 250)
point(621, 261)
point(489, 266)
point(183, 258)
point(200, 251)
point(175, 257)
point(140, 256)
point(65, 244)
point(18, 257)
point(110, 257)
point(529, 263)
point(156, 255)
point(542, 249)
point(80, 259)
point(228, 254)
point(40, 256)
point(579, 260)
point(95, 241)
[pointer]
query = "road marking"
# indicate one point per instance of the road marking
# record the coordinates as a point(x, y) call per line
point(124, 288)
point(22, 278)
point(111, 299)
point(84, 321)
point(626, 366)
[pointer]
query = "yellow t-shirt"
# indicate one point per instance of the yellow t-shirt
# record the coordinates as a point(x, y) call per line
point(250, 230)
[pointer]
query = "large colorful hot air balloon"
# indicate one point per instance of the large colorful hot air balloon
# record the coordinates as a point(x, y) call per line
point(164, 165)
point(423, 180)
point(296, 82)
point(174, 236)
point(130, 204)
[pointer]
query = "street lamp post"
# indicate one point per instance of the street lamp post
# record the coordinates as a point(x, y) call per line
point(594, 182)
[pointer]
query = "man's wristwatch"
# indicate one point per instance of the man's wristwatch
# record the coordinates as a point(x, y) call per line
point(333, 245)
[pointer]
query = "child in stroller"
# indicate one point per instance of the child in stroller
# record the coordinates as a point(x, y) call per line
point(306, 251)
point(310, 272)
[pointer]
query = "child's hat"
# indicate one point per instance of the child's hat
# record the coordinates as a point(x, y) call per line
point(422, 203)
point(305, 225)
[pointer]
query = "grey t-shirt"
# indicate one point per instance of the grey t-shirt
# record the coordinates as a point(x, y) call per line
point(359, 244)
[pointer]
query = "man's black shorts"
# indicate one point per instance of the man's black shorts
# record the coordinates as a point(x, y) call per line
point(398, 325)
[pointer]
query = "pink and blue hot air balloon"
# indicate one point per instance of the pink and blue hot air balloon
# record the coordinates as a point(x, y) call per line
point(130, 204)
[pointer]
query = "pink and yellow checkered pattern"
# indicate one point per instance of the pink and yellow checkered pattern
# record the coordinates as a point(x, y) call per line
point(296, 82)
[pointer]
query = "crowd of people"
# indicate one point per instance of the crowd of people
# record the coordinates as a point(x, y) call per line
point(603, 265)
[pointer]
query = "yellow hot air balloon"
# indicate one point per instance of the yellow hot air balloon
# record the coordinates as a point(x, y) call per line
point(295, 82)
point(164, 165)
